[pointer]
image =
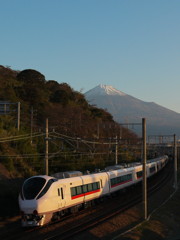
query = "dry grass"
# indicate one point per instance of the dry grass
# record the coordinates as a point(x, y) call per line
point(163, 224)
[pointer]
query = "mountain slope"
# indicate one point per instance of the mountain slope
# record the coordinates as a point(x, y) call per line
point(128, 109)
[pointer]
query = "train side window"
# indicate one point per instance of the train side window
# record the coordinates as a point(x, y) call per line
point(129, 177)
point(79, 190)
point(73, 191)
point(113, 181)
point(119, 179)
point(98, 185)
point(85, 188)
point(90, 187)
point(94, 186)
point(152, 169)
point(139, 174)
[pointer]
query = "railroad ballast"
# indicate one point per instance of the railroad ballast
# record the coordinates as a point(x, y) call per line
point(44, 198)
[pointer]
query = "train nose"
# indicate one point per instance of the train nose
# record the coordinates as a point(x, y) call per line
point(28, 206)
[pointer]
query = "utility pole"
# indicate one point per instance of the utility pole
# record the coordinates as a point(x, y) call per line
point(175, 162)
point(144, 169)
point(98, 130)
point(18, 115)
point(46, 150)
point(116, 151)
point(31, 123)
point(78, 139)
point(5, 108)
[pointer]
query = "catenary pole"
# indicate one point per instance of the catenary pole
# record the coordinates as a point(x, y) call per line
point(18, 115)
point(144, 169)
point(46, 150)
point(31, 123)
point(116, 153)
point(175, 162)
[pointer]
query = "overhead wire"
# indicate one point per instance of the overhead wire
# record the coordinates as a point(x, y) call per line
point(53, 135)
point(17, 138)
point(82, 140)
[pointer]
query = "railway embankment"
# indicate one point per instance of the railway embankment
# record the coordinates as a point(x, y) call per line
point(164, 222)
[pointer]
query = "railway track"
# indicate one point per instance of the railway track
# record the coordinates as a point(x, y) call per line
point(74, 225)
point(94, 221)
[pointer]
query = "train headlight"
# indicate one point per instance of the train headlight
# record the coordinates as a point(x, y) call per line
point(35, 212)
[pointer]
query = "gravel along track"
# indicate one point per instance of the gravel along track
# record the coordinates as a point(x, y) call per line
point(102, 221)
point(116, 217)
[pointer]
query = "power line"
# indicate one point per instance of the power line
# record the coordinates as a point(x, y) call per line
point(17, 138)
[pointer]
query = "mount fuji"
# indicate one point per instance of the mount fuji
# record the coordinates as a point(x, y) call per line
point(128, 109)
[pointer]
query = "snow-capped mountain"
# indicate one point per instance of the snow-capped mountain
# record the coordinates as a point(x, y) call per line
point(104, 90)
point(128, 109)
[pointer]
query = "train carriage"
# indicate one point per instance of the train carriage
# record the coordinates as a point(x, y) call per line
point(121, 178)
point(151, 169)
point(138, 173)
point(43, 197)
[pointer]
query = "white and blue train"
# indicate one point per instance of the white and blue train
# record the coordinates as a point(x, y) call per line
point(43, 198)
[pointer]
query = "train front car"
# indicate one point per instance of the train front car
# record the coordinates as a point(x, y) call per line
point(33, 206)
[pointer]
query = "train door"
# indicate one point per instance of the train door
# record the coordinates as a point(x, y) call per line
point(61, 196)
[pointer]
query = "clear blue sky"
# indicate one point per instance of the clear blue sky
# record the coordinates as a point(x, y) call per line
point(133, 45)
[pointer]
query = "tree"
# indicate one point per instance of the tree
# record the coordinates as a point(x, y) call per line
point(30, 76)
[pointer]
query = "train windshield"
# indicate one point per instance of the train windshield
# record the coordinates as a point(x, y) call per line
point(32, 187)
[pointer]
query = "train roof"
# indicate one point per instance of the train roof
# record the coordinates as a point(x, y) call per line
point(67, 174)
point(122, 167)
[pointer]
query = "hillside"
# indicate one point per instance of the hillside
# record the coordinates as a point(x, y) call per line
point(69, 115)
point(53, 100)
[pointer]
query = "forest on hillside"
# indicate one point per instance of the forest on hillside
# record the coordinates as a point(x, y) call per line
point(78, 131)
